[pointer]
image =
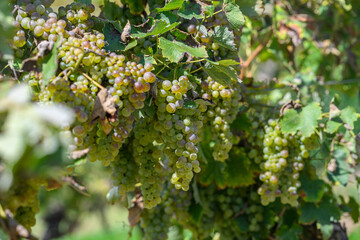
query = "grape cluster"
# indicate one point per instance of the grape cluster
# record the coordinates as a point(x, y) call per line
point(179, 129)
point(220, 114)
point(23, 200)
point(151, 170)
point(136, 153)
point(125, 171)
point(155, 223)
point(284, 156)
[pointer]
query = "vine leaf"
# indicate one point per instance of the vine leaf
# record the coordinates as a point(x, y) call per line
point(242, 223)
point(332, 127)
point(239, 169)
point(159, 27)
point(305, 121)
point(113, 37)
point(234, 15)
point(196, 212)
point(175, 51)
point(213, 171)
point(323, 212)
point(172, 5)
point(292, 232)
point(342, 172)
point(251, 8)
point(190, 10)
point(349, 116)
point(7, 30)
point(224, 37)
point(313, 190)
point(50, 64)
point(220, 74)
point(168, 17)
point(131, 45)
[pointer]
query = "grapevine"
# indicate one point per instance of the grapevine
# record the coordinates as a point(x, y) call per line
point(215, 117)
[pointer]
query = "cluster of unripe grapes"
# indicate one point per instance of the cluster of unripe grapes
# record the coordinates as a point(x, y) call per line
point(205, 37)
point(168, 150)
point(283, 160)
point(23, 200)
point(220, 114)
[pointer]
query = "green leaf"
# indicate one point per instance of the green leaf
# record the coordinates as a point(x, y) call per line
point(290, 121)
point(342, 171)
point(7, 30)
point(173, 4)
point(308, 213)
point(149, 59)
point(289, 233)
point(251, 8)
point(323, 213)
point(179, 35)
point(131, 45)
point(113, 38)
point(212, 171)
point(305, 122)
point(209, 10)
point(50, 64)
point(349, 116)
point(168, 17)
point(242, 223)
point(220, 74)
point(234, 15)
point(159, 27)
point(354, 213)
point(239, 169)
point(136, 6)
point(190, 9)
point(313, 190)
point(332, 126)
point(242, 122)
point(224, 37)
point(175, 51)
point(196, 211)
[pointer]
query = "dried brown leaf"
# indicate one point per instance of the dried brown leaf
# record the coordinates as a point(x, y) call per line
point(289, 105)
point(52, 184)
point(136, 209)
point(125, 35)
point(79, 153)
point(104, 109)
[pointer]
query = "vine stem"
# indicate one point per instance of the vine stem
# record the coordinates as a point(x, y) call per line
point(194, 61)
point(93, 81)
point(253, 55)
point(196, 70)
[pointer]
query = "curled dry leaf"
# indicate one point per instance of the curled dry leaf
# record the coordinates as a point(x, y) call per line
point(31, 64)
point(334, 111)
point(136, 208)
point(125, 35)
point(52, 184)
point(104, 109)
point(289, 105)
point(71, 181)
point(79, 153)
